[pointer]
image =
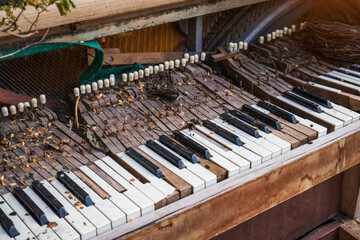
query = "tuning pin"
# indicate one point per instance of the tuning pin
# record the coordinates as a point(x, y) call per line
point(183, 62)
point(131, 77)
point(151, 69)
point(177, 63)
point(156, 69)
point(88, 88)
point(166, 65)
point(261, 40)
point(141, 73)
point(302, 26)
point(106, 83)
point(26, 104)
point(235, 46)
point(136, 75)
point(286, 31)
point(147, 72)
point(5, 111)
point(34, 102)
point(100, 84)
point(12, 109)
point(203, 56)
point(246, 46)
point(281, 33)
point(196, 57)
point(76, 92)
point(94, 86)
point(186, 56)
point(293, 28)
point(268, 37)
point(192, 59)
point(241, 45)
point(161, 67)
point(124, 77)
point(231, 47)
point(82, 89)
point(112, 81)
point(273, 35)
point(277, 33)
point(290, 32)
point(21, 107)
point(171, 64)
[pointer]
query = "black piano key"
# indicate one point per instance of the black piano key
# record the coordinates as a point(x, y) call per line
point(272, 122)
point(75, 189)
point(278, 111)
point(179, 149)
point(199, 149)
point(30, 206)
point(250, 120)
point(165, 154)
point(151, 167)
point(223, 132)
point(302, 101)
point(8, 225)
point(313, 97)
point(253, 131)
point(49, 199)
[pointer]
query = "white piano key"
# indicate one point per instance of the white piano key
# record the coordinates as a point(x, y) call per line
point(160, 184)
point(308, 123)
point(259, 150)
point(346, 77)
point(204, 174)
point(112, 212)
point(41, 232)
point(350, 71)
point(149, 190)
point(231, 168)
point(97, 219)
point(253, 158)
point(323, 116)
point(128, 207)
point(142, 201)
point(24, 232)
point(63, 229)
point(284, 145)
point(196, 183)
point(354, 115)
point(74, 217)
point(335, 90)
point(340, 83)
point(232, 157)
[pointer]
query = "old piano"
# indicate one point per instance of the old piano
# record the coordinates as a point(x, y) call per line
point(182, 120)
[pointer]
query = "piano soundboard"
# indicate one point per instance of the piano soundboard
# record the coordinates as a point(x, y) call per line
point(146, 139)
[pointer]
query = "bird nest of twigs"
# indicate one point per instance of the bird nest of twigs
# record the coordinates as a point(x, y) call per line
point(334, 40)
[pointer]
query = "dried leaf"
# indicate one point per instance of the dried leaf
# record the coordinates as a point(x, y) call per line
point(78, 204)
point(27, 165)
point(132, 180)
point(13, 184)
point(51, 179)
point(213, 132)
point(131, 219)
point(56, 168)
point(42, 166)
point(12, 135)
point(52, 224)
point(70, 197)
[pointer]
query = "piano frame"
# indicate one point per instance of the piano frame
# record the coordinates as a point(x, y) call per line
point(214, 210)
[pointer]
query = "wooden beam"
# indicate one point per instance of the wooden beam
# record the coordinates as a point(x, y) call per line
point(194, 38)
point(350, 196)
point(223, 56)
point(237, 199)
point(114, 17)
point(113, 56)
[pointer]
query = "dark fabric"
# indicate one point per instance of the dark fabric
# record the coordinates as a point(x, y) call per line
point(345, 11)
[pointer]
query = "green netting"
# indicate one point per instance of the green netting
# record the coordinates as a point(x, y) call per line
point(90, 72)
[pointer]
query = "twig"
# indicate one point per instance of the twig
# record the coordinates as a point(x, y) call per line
point(27, 46)
point(76, 112)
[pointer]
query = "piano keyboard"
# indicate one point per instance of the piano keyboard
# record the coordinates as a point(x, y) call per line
point(102, 192)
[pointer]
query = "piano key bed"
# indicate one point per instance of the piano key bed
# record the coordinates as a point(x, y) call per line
point(146, 153)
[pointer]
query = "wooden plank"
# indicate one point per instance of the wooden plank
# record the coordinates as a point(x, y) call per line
point(113, 56)
point(349, 230)
point(281, 179)
point(350, 196)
